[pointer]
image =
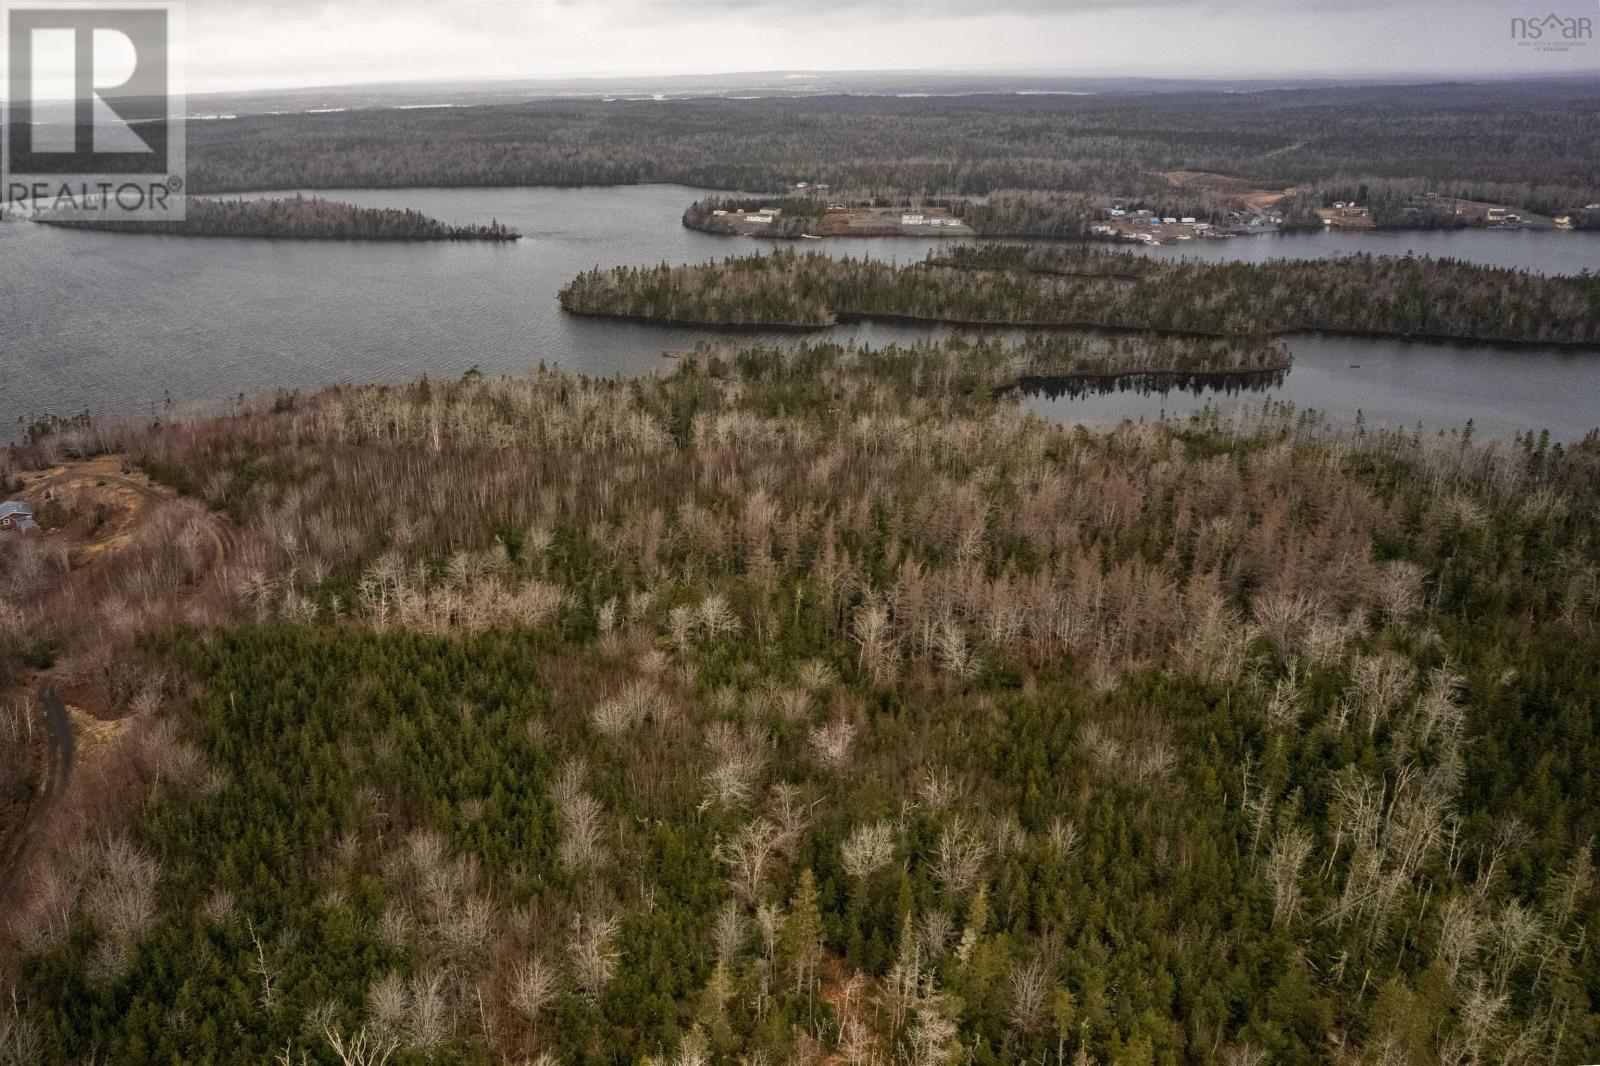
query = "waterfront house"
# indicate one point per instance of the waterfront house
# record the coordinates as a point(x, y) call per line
point(16, 517)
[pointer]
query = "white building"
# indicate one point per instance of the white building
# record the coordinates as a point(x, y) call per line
point(912, 220)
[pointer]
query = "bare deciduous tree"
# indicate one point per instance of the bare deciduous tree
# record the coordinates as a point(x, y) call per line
point(582, 843)
point(831, 743)
point(952, 650)
point(814, 675)
point(959, 860)
point(362, 1049)
point(728, 932)
point(1030, 983)
point(880, 653)
point(1064, 837)
point(121, 901)
point(534, 986)
point(389, 1004)
point(1400, 589)
point(1461, 930)
point(594, 955)
point(868, 849)
point(747, 855)
point(1282, 869)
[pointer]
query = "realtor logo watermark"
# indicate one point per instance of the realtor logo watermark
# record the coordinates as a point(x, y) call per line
point(1553, 32)
point(94, 109)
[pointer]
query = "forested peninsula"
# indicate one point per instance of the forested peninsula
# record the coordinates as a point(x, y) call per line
point(1078, 287)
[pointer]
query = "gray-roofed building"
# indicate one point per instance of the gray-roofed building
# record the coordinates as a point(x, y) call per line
point(16, 516)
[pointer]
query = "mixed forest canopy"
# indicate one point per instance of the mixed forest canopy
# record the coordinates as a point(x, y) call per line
point(820, 706)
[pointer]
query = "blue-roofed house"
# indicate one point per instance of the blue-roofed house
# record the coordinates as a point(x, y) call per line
point(16, 517)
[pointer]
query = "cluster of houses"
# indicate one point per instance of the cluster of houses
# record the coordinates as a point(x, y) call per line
point(917, 218)
point(1346, 214)
point(1147, 227)
point(761, 217)
point(16, 517)
point(1148, 216)
point(1255, 220)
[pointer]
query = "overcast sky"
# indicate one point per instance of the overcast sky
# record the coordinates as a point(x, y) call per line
point(246, 44)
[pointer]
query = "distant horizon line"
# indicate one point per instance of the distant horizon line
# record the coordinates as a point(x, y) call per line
point(1373, 79)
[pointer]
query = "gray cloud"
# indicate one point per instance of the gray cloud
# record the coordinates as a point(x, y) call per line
point(238, 44)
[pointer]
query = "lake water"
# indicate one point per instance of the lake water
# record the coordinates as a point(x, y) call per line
point(119, 324)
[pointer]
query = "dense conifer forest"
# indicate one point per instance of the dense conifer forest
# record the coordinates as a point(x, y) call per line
point(298, 218)
point(820, 706)
point(1528, 144)
point(1074, 285)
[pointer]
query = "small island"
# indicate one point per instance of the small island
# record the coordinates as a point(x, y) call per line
point(297, 218)
point(1074, 364)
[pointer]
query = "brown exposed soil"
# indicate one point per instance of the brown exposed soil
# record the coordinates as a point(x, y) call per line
point(1229, 187)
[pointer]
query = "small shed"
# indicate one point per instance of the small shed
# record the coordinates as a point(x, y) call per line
point(16, 516)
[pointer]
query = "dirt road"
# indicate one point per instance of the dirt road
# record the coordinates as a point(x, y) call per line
point(59, 743)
